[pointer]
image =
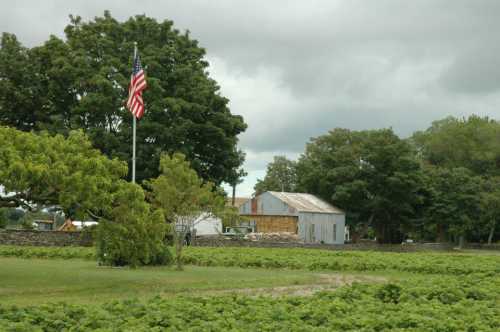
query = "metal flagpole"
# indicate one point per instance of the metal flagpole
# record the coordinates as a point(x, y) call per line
point(133, 127)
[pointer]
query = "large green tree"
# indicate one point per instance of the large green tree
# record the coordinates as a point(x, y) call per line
point(472, 143)
point(80, 82)
point(43, 170)
point(373, 175)
point(281, 175)
point(454, 145)
point(39, 170)
point(490, 207)
point(454, 200)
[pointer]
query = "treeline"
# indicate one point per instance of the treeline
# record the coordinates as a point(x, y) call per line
point(441, 184)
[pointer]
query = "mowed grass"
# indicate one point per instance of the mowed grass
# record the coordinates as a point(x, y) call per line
point(38, 281)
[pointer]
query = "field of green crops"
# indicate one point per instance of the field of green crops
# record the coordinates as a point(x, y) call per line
point(437, 292)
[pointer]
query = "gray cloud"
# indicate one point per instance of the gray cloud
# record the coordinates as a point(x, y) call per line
point(295, 69)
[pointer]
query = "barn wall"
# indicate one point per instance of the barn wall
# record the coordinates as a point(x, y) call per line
point(274, 224)
point(321, 227)
point(269, 205)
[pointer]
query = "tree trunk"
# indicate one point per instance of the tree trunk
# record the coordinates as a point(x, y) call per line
point(179, 241)
point(234, 195)
point(492, 232)
point(357, 235)
point(461, 241)
point(441, 237)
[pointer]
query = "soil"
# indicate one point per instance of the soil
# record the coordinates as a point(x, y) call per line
point(326, 282)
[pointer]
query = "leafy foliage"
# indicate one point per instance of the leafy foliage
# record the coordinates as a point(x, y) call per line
point(301, 259)
point(373, 175)
point(38, 170)
point(281, 175)
point(183, 197)
point(133, 235)
point(454, 203)
point(53, 170)
point(472, 143)
point(81, 83)
point(430, 303)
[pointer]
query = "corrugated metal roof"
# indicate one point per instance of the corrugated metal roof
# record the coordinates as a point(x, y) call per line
point(238, 201)
point(306, 202)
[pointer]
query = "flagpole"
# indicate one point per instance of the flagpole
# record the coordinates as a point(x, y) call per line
point(133, 128)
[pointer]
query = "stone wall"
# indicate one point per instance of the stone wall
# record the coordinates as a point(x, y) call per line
point(45, 238)
point(219, 241)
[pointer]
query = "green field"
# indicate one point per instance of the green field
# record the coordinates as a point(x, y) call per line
point(243, 289)
point(37, 281)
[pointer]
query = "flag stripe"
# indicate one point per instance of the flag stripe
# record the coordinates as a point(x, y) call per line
point(135, 103)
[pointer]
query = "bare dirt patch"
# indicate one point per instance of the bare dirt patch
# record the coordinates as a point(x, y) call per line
point(325, 282)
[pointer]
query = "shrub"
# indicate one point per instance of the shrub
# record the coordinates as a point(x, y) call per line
point(133, 235)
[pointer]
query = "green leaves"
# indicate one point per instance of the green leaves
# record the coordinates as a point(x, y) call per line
point(178, 191)
point(373, 175)
point(82, 83)
point(51, 170)
point(433, 299)
point(281, 175)
point(183, 198)
point(131, 233)
point(472, 143)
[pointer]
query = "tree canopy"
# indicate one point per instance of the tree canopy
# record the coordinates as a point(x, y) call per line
point(281, 175)
point(81, 83)
point(472, 143)
point(373, 175)
point(40, 170)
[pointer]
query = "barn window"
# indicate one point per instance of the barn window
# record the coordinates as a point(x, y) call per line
point(334, 232)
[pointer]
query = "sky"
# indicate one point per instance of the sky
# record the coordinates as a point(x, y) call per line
point(296, 69)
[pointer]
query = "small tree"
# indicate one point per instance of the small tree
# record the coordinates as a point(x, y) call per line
point(131, 233)
point(184, 199)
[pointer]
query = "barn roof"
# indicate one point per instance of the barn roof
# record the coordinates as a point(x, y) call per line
point(238, 201)
point(306, 202)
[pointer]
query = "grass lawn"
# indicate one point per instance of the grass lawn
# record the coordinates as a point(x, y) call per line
point(37, 281)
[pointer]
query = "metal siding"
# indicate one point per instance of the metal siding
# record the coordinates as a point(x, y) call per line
point(245, 208)
point(323, 227)
point(267, 204)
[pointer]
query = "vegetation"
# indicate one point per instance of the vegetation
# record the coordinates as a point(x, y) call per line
point(301, 259)
point(429, 292)
point(80, 82)
point(69, 174)
point(373, 175)
point(281, 175)
point(82, 282)
point(133, 234)
point(446, 304)
point(40, 170)
point(183, 198)
point(438, 185)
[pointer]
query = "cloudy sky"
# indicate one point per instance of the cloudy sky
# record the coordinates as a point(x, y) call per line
point(295, 69)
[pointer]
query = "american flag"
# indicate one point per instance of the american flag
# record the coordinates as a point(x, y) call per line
point(135, 103)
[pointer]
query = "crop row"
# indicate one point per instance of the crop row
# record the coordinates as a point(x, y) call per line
point(469, 303)
point(304, 259)
point(328, 260)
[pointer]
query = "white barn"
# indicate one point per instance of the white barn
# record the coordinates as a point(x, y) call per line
point(314, 220)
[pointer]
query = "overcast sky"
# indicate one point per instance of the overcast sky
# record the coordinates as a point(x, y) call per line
point(295, 69)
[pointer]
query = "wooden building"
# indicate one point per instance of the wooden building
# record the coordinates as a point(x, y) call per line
point(314, 220)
